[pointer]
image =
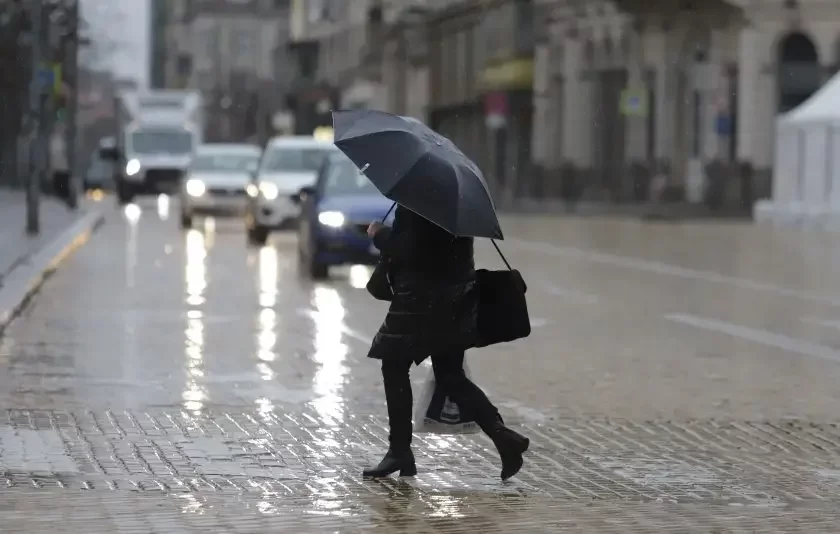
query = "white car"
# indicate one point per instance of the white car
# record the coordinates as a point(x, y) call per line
point(217, 179)
point(288, 165)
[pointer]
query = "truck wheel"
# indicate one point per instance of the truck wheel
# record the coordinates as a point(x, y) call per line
point(125, 193)
point(258, 235)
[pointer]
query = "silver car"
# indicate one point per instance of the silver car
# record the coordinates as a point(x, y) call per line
point(216, 181)
point(288, 165)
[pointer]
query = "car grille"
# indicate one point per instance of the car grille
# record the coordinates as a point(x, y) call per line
point(167, 176)
point(226, 192)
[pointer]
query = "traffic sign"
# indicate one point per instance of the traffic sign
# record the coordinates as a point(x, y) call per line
point(634, 103)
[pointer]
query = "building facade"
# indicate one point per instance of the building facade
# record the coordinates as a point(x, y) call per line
point(232, 57)
point(632, 93)
point(604, 100)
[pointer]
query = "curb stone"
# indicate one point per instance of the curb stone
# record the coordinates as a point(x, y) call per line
point(29, 274)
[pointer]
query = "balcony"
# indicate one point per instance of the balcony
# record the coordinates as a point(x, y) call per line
point(676, 7)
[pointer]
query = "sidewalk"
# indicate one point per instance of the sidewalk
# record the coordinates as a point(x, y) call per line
point(15, 245)
point(24, 259)
point(676, 211)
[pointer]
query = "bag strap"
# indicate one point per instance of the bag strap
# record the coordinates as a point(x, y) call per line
point(500, 254)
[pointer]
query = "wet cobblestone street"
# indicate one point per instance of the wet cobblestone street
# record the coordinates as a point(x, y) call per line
point(680, 378)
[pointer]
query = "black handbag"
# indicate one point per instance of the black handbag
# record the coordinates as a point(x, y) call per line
point(379, 284)
point(502, 307)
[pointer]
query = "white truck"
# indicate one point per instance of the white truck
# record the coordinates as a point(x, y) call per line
point(158, 131)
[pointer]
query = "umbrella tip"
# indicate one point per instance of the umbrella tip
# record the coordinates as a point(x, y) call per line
point(363, 169)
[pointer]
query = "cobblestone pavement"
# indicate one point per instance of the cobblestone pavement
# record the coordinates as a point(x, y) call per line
point(680, 378)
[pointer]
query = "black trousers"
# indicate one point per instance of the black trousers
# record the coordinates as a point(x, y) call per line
point(449, 373)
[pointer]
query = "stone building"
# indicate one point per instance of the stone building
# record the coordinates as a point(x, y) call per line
point(630, 90)
point(604, 100)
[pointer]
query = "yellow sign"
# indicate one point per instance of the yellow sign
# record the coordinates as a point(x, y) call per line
point(58, 83)
point(323, 133)
point(511, 74)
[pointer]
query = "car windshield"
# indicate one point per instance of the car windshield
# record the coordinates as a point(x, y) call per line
point(161, 142)
point(289, 159)
point(224, 162)
point(345, 179)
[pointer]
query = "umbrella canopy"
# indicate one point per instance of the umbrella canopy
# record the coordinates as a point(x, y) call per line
point(420, 169)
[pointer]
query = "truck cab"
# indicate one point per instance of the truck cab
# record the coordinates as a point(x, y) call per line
point(157, 136)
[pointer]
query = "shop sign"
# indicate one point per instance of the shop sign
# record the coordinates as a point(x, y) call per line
point(511, 74)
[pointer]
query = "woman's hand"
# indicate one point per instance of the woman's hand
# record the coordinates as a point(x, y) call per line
point(374, 227)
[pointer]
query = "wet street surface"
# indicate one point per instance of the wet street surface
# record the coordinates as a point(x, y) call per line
point(679, 378)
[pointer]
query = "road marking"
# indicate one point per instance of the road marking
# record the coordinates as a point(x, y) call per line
point(668, 269)
point(757, 335)
point(828, 323)
point(573, 294)
point(34, 451)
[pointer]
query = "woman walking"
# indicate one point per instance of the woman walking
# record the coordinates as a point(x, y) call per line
point(433, 313)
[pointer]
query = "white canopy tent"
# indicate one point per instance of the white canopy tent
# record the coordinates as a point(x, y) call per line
point(806, 172)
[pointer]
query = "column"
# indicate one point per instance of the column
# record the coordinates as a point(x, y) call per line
point(636, 125)
point(664, 70)
point(540, 132)
point(577, 123)
point(715, 100)
point(749, 68)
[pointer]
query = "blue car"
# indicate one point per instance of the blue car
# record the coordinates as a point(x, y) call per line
point(335, 214)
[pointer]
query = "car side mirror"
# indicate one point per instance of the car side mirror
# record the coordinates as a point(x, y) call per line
point(109, 153)
point(303, 194)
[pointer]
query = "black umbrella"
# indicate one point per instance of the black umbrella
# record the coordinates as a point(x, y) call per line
point(420, 169)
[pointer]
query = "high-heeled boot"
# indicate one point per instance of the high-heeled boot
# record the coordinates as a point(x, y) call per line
point(511, 445)
point(401, 460)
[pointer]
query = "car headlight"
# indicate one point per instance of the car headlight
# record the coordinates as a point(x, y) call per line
point(269, 190)
point(132, 167)
point(334, 219)
point(195, 188)
point(252, 190)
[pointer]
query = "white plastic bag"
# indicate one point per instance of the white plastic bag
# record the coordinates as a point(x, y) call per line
point(445, 416)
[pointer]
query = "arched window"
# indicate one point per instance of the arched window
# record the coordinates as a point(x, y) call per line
point(800, 74)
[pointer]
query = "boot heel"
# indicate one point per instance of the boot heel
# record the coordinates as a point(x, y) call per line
point(409, 470)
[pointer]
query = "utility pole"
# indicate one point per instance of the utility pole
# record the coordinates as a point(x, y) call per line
point(71, 101)
point(37, 150)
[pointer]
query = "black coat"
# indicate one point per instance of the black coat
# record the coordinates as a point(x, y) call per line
point(433, 278)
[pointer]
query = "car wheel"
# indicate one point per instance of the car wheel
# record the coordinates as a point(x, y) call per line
point(186, 221)
point(258, 235)
point(125, 193)
point(318, 271)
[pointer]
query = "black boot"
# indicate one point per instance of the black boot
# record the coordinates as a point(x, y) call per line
point(510, 445)
point(401, 460)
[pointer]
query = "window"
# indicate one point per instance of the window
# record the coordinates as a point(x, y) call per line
point(288, 159)
point(161, 141)
point(345, 179)
point(224, 162)
point(245, 43)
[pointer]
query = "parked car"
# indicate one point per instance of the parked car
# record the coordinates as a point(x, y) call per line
point(287, 165)
point(335, 214)
point(99, 174)
point(216, 180)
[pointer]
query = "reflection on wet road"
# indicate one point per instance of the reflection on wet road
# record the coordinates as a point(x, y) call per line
point(177, 381)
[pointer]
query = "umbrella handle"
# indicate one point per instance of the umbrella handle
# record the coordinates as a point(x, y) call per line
point(394, 205)
point(500, 254)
